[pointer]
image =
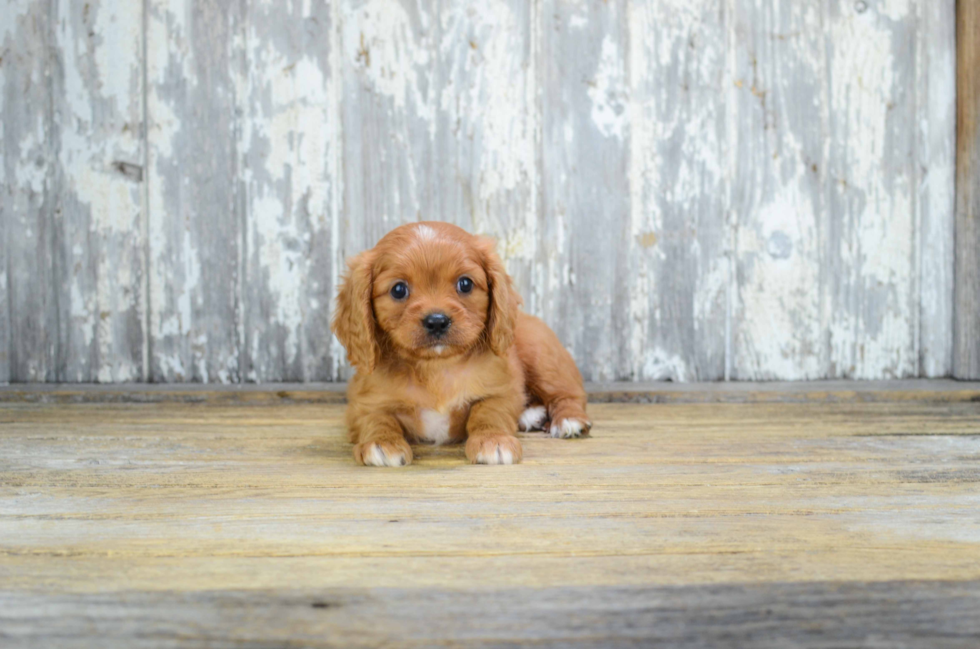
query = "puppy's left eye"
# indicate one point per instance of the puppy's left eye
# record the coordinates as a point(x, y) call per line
point(464, 285)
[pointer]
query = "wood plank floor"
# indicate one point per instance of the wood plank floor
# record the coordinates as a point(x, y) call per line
point(701, 525)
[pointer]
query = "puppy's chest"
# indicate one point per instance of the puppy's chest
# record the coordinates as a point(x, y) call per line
point(437, 426)
point(440, 412)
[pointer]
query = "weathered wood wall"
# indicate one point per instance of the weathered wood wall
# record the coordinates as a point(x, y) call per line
point(684, 189)
point(966, 327)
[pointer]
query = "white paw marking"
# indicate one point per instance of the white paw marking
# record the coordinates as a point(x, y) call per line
point(533, 418)
point(375, 456)
point(435, 427)
point(568, 428)
point(499, 456)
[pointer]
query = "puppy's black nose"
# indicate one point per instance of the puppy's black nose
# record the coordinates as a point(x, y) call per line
point(437, 323)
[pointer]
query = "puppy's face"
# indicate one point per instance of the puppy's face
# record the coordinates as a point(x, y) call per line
point(430, 294)
point(426, 291)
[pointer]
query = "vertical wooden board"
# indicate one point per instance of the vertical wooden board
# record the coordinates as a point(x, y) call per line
point(583, 272)
point(8, 27)
point(388, 117)
point(29, 191)
point(484, 166)
point(779, 134)
point(935, 159)
point(194, 72)
point(871, 221)
point(966, 327)
point(5, 314)
point(98, 246)
point(678, 274)
point(289, 136)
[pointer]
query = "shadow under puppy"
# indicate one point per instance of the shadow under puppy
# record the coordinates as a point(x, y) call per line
point(443, 353)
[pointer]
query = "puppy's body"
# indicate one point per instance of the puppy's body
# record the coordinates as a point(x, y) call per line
point(431, 321)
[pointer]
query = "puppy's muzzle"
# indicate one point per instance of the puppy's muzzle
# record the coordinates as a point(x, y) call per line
point(437, 324)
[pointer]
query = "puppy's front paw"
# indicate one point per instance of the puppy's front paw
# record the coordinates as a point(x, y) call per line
point(386, 453)
point(494, 449)
point(569, 427)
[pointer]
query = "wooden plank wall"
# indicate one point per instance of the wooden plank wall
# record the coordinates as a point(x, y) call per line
point(686, 190)
point(966, 363)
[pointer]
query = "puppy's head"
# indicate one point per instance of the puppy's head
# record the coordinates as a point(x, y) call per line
point(426, 291)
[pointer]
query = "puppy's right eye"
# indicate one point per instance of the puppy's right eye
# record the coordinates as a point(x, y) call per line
point(399, 291)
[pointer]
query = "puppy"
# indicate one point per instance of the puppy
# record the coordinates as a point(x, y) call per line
point(431, 321)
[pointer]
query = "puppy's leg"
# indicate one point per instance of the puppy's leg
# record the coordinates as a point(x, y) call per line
point(379, 440)
point(552, 378)
point(490, 431)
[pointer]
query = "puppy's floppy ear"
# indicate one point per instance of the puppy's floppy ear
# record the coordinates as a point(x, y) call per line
point(353, 320)
point(504, 300)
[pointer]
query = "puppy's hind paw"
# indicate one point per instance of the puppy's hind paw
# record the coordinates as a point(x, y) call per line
point(570, 427)
point(534, 418)
point(385, 453)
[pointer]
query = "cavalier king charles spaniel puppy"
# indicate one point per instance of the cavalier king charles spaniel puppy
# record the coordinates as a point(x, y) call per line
point(443, 353)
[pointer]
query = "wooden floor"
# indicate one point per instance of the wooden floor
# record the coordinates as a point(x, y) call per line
point(694, 525)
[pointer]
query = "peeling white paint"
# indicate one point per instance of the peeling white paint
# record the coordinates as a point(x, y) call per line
point(462, 86)
point(936, 182)
point(483, 96)
point(896, 10)
point(780, 295)
point(82, 313)
point(282, 263)
point(101, 109)
point(288, 139)
point(608, 91)
point(676, 172)
point(335, 167)
point(168, 39)
point(381, 42)
point(659, 365)
point(28, 173)
point(881, 244)
point(14, 10)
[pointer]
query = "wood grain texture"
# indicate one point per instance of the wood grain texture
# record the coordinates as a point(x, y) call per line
point(871, 228)
point(935, 188)
point(966, 328)
point(678, 277)
point(779, 133)
point(289, 140)
point(30, 192)
point(9, 161)
point(930, 615)
point(388, 116)
point(585, 182)
point(750, 190)
point(72, 205)
point(209, 524)
point(195, 73)
point(98, 245)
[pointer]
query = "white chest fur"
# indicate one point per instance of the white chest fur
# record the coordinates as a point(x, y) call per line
point(434, 426)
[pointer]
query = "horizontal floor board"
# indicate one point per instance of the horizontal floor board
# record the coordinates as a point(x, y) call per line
point(904, 614)
point(221, 523)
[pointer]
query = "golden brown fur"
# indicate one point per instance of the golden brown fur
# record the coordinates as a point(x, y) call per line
point(471, 381)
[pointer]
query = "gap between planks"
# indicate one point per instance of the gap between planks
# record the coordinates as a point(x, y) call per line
point(915, 390)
